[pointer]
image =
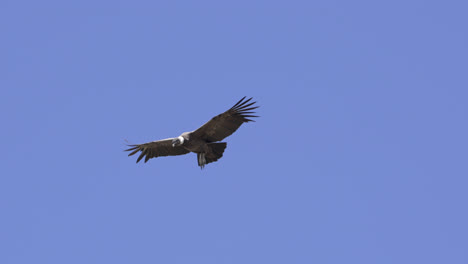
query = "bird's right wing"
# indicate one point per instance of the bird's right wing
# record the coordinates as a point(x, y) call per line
point(156, 149)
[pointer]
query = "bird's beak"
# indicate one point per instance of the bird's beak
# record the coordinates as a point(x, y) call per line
point(175, 142)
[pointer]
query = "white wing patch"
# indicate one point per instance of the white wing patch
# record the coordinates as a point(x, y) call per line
point(181, 139)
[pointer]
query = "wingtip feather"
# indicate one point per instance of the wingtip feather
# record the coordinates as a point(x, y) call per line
point(141, 156)
point(239, 102)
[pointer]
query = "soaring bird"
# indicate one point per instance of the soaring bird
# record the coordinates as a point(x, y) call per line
point(204, 140)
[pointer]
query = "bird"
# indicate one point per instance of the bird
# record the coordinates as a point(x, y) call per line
point(204, 141)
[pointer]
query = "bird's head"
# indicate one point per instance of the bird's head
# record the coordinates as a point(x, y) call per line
point(178, 141)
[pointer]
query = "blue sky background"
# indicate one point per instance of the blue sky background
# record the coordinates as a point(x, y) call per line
point(360, 154)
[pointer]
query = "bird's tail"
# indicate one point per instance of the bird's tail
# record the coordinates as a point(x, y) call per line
point(216, 152)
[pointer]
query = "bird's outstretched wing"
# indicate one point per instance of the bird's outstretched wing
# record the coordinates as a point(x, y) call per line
point(223, 125)
point(156, 149)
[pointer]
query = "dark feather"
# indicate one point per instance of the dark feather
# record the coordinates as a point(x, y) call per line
point(135, 151)
point(156, 149)
point(223, 125)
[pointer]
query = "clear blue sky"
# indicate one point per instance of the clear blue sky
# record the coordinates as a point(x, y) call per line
point(360, 154)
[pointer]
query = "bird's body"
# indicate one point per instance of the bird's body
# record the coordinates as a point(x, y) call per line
point(204, 140)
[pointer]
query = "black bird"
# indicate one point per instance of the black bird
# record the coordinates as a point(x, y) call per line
point(204, 140)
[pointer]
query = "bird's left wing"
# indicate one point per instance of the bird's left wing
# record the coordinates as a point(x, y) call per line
point(156, 149)
point(223, 125)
